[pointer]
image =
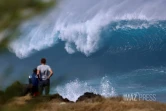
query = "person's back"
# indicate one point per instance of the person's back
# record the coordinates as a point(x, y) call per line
point(44, 72)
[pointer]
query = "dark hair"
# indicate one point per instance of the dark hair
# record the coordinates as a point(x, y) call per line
point(43, 61)
point(35, 70)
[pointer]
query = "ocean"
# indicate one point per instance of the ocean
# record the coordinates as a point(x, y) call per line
point(109, 47)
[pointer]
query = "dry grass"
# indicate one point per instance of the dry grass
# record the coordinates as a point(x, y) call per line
point(17, 104)
point(19, 101)
point(112, 104)
point(94, 104)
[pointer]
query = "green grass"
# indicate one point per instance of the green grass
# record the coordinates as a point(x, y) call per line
point(10, 11)
point(13, 12)
point(13, 90)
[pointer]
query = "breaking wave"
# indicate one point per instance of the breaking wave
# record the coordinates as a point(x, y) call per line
point(87, 26)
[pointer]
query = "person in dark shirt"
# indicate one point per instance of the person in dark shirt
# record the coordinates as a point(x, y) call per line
point(33, 82)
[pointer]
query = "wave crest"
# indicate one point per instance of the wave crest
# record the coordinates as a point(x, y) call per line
point(80, 23)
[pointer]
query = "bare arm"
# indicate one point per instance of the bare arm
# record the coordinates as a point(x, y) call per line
point(51, 73)
point(38, 74)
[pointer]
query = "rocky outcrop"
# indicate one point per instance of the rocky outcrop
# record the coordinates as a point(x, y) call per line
point(86, 102)
point(90, 97)
point(55, 97)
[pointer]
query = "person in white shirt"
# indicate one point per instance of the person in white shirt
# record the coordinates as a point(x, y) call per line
point(44, 72)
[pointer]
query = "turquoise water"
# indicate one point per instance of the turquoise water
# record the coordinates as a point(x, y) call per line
point(100, 46)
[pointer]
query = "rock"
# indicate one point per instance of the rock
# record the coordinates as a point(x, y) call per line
point(90, 97)
point(55, 98)
point(59, 97)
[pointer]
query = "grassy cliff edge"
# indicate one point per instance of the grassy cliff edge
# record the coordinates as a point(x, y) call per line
point(10, 100)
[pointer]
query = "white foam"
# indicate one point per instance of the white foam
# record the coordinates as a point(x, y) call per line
point(74, 89)
point(79, 22)
point(106, 88)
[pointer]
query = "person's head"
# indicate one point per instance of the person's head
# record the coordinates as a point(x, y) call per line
point(43, 61)
point(35, 70)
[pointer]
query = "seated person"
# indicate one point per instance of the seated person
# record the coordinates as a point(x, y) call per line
point(33, 82)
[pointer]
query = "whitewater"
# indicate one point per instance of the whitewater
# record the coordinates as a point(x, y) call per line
point(108, 47)
point(80, 24)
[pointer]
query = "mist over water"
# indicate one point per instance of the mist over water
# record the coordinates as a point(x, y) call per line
point(124, 40)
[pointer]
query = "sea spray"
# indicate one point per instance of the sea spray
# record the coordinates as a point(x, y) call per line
point(106, 88)
point(74, 89)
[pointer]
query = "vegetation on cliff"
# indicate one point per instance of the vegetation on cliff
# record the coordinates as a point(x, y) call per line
point(14, 12)
point(86, 102)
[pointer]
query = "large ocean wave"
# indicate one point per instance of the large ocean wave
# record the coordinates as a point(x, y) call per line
point(87, 26)
point(123, 39)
